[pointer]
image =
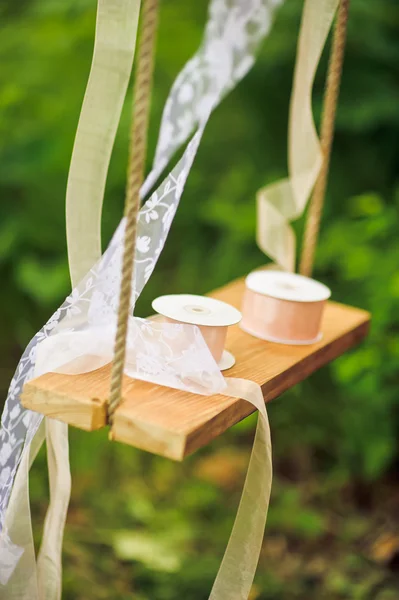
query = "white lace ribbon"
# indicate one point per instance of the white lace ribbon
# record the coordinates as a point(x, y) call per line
point(165, 354)
point(18, 574)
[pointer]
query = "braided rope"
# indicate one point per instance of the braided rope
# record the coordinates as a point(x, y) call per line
point(137, 155)
point(327, 133)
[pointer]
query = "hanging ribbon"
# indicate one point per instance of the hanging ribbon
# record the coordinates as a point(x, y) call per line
point(237, 571)
point(49, 563)
point(115, 41)
point(282, 202)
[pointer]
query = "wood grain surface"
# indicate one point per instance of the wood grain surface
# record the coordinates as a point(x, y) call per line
point(173, 423)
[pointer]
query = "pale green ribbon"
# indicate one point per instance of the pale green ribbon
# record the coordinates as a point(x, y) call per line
point(237, 570)
point(284, 201)
point(115, 42)
point(277, 205)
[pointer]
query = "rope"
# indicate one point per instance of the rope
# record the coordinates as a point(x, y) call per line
point(137, 155)
point(327, 133)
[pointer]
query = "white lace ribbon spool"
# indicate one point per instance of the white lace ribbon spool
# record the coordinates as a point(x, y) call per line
point(211, 316)
point(283, 307)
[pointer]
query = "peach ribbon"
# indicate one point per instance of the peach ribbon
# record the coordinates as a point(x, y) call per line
point(281, 321)
point(215, 337)
point(285, 201)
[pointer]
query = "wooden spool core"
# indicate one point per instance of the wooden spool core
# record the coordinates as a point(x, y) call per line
point(174, 423)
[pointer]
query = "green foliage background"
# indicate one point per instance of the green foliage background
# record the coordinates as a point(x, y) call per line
point(159, 530)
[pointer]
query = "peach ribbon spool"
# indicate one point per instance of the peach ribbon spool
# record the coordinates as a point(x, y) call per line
point(283, 307)
point(211, 316)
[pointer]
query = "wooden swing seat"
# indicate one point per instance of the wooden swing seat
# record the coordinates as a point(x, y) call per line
point(174, 423)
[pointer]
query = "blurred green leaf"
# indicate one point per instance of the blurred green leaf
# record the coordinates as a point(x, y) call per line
point(45, 283)
point(154, 553)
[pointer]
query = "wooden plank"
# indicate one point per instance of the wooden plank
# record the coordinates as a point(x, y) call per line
point(173, 423)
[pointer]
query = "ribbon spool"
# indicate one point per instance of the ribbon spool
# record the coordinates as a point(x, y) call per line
point(283, 307)
point(213, 318)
